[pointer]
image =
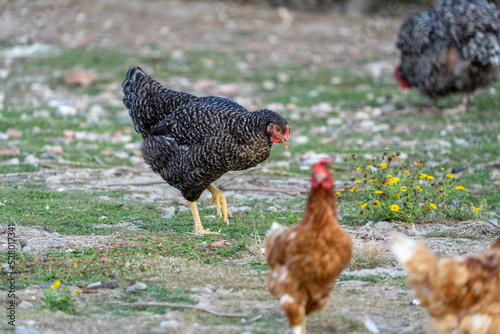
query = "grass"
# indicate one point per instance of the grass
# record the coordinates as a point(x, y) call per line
point(142, 245)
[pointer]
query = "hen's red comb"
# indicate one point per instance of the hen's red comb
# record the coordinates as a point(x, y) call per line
point(325, 161)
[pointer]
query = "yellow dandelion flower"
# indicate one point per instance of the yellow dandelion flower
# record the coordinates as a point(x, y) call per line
point(476, 210)
point(419, 189)
point(396, 196)
point(484, 200)
point(376, 204)
point(432, 206)
point(395, 207)
point(406, 171)
point(387, 184)
point(378, 191)
point(422, 176)
point(75, 264)
point(460, 188)
point(404, 188)
point(383, 165)
point(394, 180)
point(368, 167)
point(359, 203)
point(357, 181)
point(370, 181)
point(364, 205)
point(430, 177)
point(337, 193)
point(55, 284)
point(375, 181)
point(424, 206)
point(450, 176)
point(353, 189)
point(420, 164)
point(358, 169)
point(77, 290)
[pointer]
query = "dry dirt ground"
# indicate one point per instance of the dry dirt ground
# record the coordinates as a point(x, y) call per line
point(268, 36)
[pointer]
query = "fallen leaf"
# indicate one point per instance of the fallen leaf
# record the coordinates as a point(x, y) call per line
point(220, 243)
point(14, 133)
point(70, 134)
point(10, 151)
point(105, 152)
point(80, 77)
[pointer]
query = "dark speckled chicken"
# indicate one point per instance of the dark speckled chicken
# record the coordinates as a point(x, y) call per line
point(192, 141)
point(454, 47)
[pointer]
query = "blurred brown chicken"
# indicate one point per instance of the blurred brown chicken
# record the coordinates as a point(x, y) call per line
point(461, 294)
point(306, 258)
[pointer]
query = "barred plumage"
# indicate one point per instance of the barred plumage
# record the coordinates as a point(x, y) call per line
point(454, 47)
point(192, 141)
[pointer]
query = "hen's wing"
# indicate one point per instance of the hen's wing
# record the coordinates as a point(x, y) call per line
point(200, 120)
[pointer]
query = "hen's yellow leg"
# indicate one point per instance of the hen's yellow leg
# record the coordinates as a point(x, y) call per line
point(198, 228)
point(219, 199)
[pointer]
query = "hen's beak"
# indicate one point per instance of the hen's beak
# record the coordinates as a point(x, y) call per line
point(284, 142)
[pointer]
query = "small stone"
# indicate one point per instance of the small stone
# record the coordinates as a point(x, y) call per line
point(25, 304)
point(378, 236)
point(157, 330)
point(135, 160)
point(11, 162)
point(121, 155)
point(111, 284)
point(95, 285)
point(166, 217)
point(24, 330)
point(168, 211)
point(53, 180)
point(66, 111)
point(170, 324)
point(462, 142)
point(268, 85)
point(299, 140)
point(56, 149)
point(322, 107)
point(137, 286)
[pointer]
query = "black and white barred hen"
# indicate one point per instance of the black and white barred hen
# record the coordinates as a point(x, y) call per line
point(453, 47)
point(192, 141)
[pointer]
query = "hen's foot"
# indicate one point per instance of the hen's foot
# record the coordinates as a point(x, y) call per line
point(198, 228)
point(428, 107)
point(220, 200)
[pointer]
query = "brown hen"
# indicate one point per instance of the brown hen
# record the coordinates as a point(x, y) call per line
point(461, 294)
point(306, 258)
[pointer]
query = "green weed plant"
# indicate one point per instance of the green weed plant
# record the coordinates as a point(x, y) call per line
point(62, 299)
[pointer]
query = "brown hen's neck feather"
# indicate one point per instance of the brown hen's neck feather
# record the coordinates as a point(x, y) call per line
point(321, 204)
point(496, 244)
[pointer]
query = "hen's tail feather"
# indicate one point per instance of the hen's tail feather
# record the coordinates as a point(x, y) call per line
point(416, 257)
point(148, 101)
